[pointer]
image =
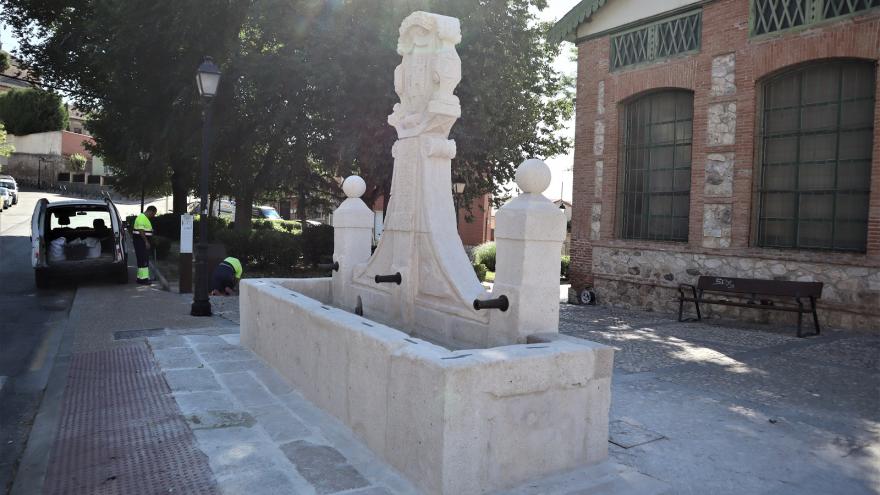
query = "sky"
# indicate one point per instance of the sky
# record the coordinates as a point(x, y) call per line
point(560, 166)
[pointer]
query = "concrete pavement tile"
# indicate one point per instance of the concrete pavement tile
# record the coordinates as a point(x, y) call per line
point(259, 482)
point(215, 330)
point(272, 380)
point(166, 342)
point(279, 423)
point(236, 366)
point(199, 402)
point(203, 420)
point(246, 389)
point(323, 466)
point(181, 357)
point(191, 380)
point(373, 490)
point(232, 338)
point(197, 340)
point(213, 353)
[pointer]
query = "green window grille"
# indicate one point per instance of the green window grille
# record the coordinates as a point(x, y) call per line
point(656, 138)
point(816, 137)
point(769, 16)
point(662, 39)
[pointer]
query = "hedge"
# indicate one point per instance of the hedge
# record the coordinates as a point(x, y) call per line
point(566, 267)
point(480, 270)
point(269, 243)
point(484, 254)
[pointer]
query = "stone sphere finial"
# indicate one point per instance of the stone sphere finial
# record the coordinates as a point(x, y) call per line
point(533, 176)
point(354, 187)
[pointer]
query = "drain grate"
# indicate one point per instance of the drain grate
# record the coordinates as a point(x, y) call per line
point(136, 334)
point(121, 431)
point(628, 435)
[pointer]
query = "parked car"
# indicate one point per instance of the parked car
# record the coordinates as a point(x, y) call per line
point(9, 183)
point(265, 213)
point(77, 237)
point(5, 198)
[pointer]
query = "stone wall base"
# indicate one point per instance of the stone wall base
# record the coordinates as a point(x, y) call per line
point(647, 279)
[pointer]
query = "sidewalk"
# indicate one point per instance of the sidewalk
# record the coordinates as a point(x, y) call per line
point(168, 400)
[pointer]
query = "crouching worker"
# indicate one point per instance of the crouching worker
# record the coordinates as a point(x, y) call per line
point(226, 276)
point(143, 232)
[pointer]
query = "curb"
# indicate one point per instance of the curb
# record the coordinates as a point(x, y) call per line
point(34, 463)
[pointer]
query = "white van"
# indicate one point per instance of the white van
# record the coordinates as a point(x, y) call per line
point(77, 237)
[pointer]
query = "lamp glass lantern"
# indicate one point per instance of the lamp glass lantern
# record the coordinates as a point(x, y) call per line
point(458, 187)
point(208, 78)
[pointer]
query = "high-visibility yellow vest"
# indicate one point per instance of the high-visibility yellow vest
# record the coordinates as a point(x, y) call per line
point(235, 264)
point(142, 224)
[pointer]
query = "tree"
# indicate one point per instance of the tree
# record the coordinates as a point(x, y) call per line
point(5, 62)
point(77, 162)
point(513, 102)
point(26, 111)
point(131, 67)
point(6, 149)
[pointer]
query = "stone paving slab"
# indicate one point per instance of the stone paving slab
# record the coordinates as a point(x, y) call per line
point(254, 441)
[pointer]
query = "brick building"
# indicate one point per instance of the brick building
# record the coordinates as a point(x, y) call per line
point(730, 138)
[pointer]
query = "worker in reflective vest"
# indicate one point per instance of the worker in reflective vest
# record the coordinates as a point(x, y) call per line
point(143, 232)
point(225, 277)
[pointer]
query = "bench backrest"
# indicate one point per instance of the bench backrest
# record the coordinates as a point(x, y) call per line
point(763, 287)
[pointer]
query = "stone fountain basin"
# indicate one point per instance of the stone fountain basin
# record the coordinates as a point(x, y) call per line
point(454, 422)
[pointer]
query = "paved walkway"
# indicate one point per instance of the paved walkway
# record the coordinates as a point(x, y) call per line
point(697, 407)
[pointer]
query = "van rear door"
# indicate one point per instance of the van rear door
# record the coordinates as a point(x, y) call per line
point(118, 230)
point(38, 234)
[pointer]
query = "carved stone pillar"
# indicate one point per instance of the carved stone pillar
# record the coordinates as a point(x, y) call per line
point(352, 239)
point(529, 233)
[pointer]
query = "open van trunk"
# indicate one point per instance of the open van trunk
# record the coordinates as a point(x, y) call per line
point(79, 235)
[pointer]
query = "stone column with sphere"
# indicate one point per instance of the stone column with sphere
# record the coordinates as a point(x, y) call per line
point(352, 239)
point(529, 233)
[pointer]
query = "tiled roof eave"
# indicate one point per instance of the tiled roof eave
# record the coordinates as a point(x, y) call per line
point(566, 28)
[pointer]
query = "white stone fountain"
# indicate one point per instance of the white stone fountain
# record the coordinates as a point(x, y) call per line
point(460, 400)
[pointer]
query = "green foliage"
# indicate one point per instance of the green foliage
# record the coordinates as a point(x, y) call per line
point(262, 248)
point(31, 110)
point(317, 244)
point(484, 254)
point(162, 245)
point(566, 267)
point(77, 162)
point(6, 149)
point(513, 102)
point(480, 269)
point(5, 61)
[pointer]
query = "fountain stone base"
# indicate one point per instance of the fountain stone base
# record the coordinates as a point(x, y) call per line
point(453, 422)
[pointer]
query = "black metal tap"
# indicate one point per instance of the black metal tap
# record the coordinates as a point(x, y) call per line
point(396, 278)
point(329, 266)
point(499, 302)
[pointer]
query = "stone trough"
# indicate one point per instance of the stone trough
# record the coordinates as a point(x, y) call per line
point(463, 391)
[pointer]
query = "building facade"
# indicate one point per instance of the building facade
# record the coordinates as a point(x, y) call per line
point(727, 137)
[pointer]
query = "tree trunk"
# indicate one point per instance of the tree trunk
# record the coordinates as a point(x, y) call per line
point(244, 206)
point(180, 193)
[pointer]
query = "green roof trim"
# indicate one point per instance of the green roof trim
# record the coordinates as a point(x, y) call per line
point(566, 28)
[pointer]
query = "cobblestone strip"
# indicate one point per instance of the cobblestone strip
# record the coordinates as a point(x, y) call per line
point(122, 432)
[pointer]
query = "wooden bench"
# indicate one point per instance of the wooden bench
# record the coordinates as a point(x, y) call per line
point(753, 293)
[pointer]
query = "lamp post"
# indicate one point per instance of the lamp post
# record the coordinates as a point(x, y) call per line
point(207, 78)
point(458, 190)
point(144, 156)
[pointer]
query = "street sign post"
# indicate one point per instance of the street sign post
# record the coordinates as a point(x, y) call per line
point(186, 249)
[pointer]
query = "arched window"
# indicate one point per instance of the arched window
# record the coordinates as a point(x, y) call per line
point(816, 139)
point(655, 176)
